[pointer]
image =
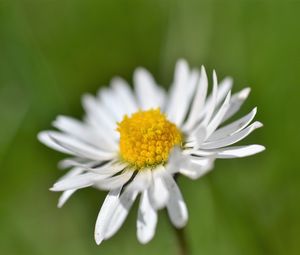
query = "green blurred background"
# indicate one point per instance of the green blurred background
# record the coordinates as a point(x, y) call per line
point(53, 51)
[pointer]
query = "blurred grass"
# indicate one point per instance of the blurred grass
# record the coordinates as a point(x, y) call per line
point(53, 51)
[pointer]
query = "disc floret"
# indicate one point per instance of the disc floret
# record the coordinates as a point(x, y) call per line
point(147, 137)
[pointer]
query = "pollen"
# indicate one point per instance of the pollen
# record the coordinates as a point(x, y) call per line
point(147, 137)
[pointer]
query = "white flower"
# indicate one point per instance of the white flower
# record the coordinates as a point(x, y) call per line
point(135, 142)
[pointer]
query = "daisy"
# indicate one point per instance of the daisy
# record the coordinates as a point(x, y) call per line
point(136, 142)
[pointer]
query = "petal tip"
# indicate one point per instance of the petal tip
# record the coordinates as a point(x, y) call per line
point(52, 189)
point(261, 148)
point(258, 124)
point(41, 136)
point(59, 205)
point(139, 69)
point(98, 239)
point(244, 93)
point(144, 240)
point(214, 74)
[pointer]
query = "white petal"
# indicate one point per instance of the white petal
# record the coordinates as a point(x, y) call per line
point(200, 153)
point(73, 172)
point(198, 101)
point(45, 139)
point(179, 91)
point(78, 148)
point(110, 101)
point(213, 103)
point(199, 136)
point(67, 194)
point(184, 100)
point(233, 127)
point(174, 162)
point(114, 181)
point(64, 197)
point(147, 219)
point(70, 125)
point(215, 122)
point(98, 116)
point(223, 89)
point(161, 97)
point(146, 89)
point(104, 216)
point(77, 182)
point(158, 193)
point(106, 167)
point(120, 213)
point(78, 162)
point(84, 132)
point(236, 102)
point(239, 151)
point(231, 139)
point(176, 206)
point(125, 94)
point(110, 168)
point(142, 180)
point(194, 169)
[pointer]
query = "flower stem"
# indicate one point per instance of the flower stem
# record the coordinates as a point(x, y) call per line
point(183, 247)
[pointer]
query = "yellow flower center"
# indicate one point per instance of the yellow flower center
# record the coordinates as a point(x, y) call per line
point(147, 137)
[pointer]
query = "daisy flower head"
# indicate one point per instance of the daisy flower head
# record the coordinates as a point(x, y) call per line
point(132, 143)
